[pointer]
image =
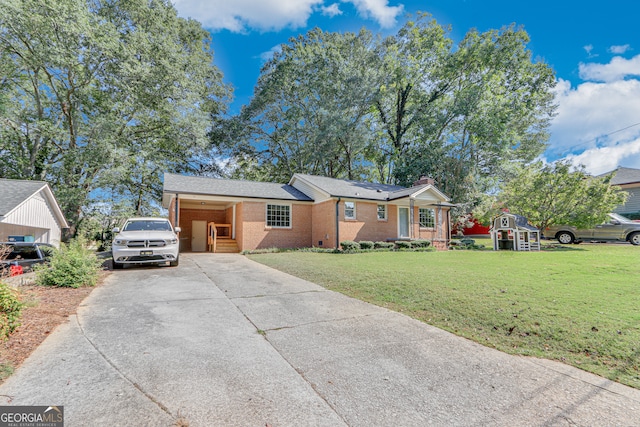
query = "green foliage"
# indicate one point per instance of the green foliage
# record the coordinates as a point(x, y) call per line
point(365, 244)
point(421, 243)
point(391, 110)
point(103, 96)
point(10, 310)
point(383, 245)
point(403, 244)
point(350, 246)
point(71, 266)
point(556, 194)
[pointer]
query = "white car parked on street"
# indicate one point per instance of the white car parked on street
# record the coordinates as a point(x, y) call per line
point(145, 240)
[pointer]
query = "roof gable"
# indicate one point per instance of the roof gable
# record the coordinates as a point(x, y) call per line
point(15, 192)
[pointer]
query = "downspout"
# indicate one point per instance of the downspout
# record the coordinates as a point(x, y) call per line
point(338, 223)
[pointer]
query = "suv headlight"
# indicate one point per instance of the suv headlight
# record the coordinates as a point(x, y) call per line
point(119, 242)
point(172, 241)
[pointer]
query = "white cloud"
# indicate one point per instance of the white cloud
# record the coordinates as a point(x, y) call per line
point(238, 15)
point(589, 48)
point(594, 125)
point(331, 10)
point(379, 10)
point(605, 159)
point(266, 56)
point(617, 69)
point(274, 15)
point(619, 50)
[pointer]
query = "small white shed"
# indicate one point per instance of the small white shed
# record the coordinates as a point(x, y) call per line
point(29, 212)
point(513, 232)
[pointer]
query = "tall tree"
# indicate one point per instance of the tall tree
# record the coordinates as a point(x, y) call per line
point(103, 96)
point(310, 106)
point(558, 194)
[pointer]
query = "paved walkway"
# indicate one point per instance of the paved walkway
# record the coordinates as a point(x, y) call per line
point(223, 341)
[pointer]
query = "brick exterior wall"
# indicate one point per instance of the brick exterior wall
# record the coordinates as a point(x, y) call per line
point(188, 215)
point(256, 235)
point(367, 226)
point(311, 225)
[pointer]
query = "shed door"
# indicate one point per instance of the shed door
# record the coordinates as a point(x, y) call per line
point(403, 222)
point(198, 236)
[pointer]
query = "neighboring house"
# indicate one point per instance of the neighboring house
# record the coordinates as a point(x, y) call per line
point(29, 212)
point(309, 211)
point(628, 180)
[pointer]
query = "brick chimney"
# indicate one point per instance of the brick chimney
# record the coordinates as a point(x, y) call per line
point(424, 180)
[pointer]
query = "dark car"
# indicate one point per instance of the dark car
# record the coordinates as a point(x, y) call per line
point(24, 254)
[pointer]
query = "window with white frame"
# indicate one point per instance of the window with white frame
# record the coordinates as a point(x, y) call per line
point(427, 218)
point(382, 212)
point(279, 216)
point(349, 210)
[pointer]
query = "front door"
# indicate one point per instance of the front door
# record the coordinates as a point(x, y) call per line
point(198, 236)
point(403, 222)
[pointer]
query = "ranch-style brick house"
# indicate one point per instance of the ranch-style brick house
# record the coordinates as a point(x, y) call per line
point(222, 215)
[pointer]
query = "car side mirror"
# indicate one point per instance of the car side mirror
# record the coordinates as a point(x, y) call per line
point(115, 230)
point(615, 222)
point(178, 229)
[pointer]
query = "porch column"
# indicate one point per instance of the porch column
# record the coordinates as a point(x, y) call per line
point(411, 218)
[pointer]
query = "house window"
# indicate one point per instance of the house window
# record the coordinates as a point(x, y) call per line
point(382, 212)
point(349, 210)
point(279, 216)
point(427, 218)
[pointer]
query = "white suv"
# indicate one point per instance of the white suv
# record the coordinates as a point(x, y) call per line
point(145, 241)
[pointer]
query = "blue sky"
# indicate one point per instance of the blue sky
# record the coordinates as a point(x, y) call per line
point(594, 47)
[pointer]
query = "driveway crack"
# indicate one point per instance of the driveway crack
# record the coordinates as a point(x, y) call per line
point(122, 374)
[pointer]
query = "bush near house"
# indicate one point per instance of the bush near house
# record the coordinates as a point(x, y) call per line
point(350, 246)
point(383, 245)
point(365, 244)
point(72, 266)
point(10, 310)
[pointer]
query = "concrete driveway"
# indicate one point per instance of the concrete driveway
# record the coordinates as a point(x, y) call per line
point(223, 341)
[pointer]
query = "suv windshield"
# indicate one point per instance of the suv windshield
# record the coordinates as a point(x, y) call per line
point(620, 218)
point(147, 226)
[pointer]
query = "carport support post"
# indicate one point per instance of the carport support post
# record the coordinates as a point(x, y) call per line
point(338, 223)
point(177, 212)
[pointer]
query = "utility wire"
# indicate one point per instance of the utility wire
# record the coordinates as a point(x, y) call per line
point(598, 137)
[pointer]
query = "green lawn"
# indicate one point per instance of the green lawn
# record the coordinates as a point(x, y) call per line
point(579, 304)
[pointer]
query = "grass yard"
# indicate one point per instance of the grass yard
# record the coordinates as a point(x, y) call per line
point(579, 304)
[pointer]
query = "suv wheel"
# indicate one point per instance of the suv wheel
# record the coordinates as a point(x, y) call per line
point(174, 263)
point(565, 237)
point(117, 265)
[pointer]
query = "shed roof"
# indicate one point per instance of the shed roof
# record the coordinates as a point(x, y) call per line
point(229, 187)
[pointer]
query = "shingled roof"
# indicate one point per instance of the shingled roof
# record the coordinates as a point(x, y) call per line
point(14, 192)
point(232, 188)
point(350, 189)
point(624, 176)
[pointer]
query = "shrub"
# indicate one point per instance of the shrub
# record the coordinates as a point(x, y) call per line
point(349, 246)
point(403, 244)
point(383, 245)
point(365, 244)
point(421, 243)
point(10, 309)
point(72, 266)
